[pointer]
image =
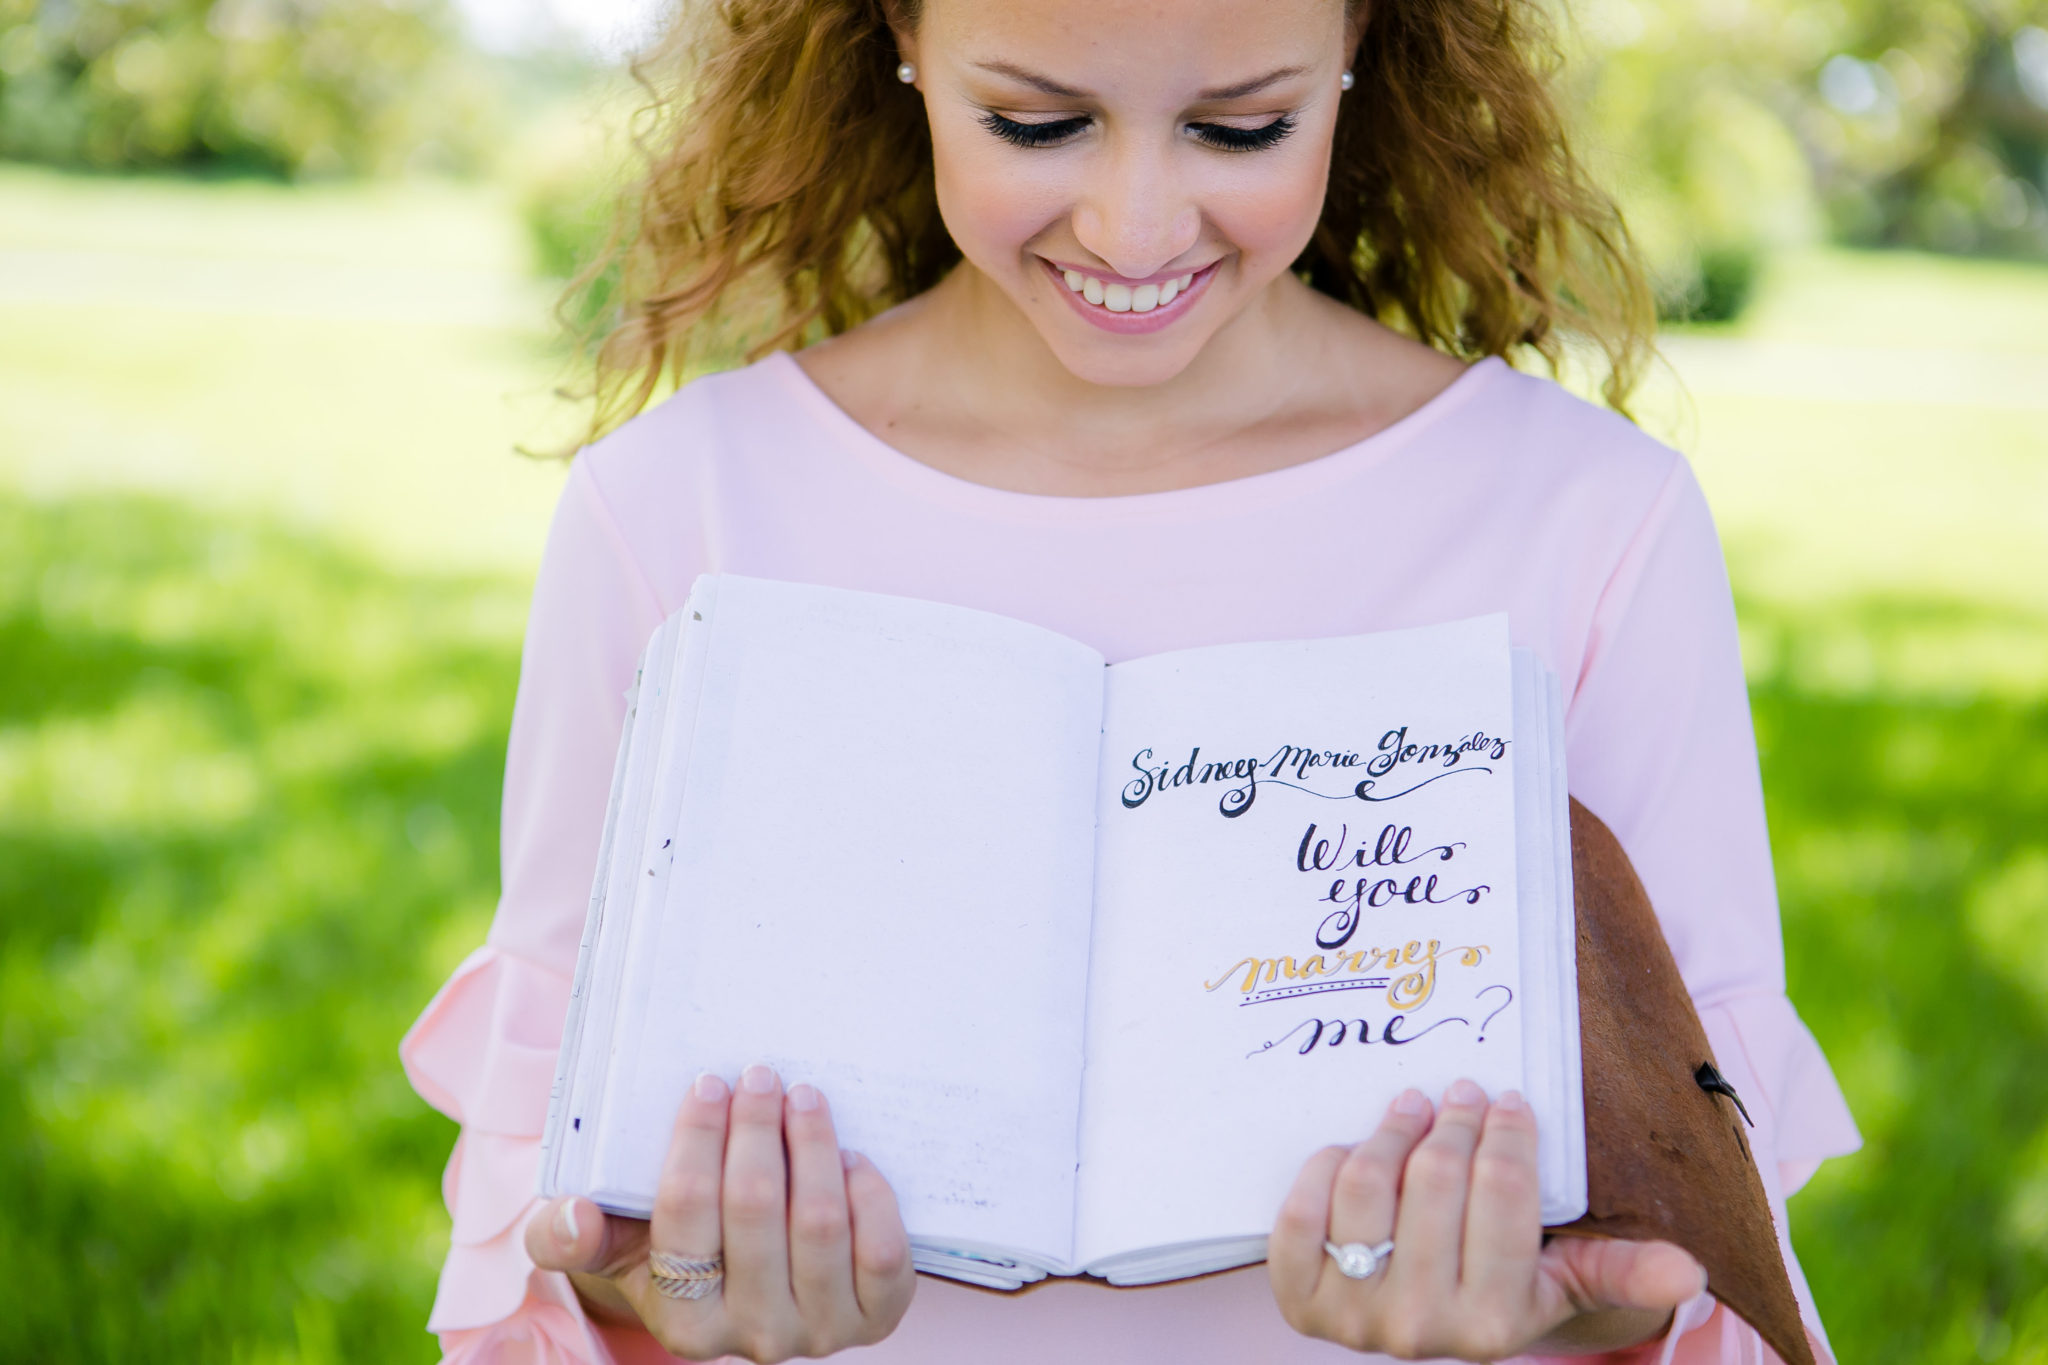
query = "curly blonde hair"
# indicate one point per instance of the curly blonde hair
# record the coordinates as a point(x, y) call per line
point(787, 195)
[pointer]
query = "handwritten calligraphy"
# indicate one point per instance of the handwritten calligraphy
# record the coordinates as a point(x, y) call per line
point(1331, 1033)
point(1410, 971)
point(1294, 766)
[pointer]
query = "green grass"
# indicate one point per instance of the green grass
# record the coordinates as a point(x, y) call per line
point(360, 361)
point(248, 797)
point(1910, 828)
point(252, 723)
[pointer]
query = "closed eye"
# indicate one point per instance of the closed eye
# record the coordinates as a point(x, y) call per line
point(1224, 137)
point(1033, 134)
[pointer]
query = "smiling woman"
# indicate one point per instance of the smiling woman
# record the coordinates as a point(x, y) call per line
point(794, 186)
point(1160, 325)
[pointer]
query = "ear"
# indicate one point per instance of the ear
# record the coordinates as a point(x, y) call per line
point(900, 16)
point(1357, 16)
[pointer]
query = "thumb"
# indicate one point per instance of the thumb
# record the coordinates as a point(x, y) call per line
point(571, 1235)
point(1599, 1272)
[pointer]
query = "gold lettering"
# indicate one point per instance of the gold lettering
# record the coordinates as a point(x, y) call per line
point(1272, 966)
point(1409, 989)
point(1413, 989)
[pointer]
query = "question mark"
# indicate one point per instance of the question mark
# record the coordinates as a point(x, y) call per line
point(1496, 986)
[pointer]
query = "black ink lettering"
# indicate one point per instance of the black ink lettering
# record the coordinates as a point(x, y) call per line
point(1334, 1032)
point(1496, 986)
point(1138, 788)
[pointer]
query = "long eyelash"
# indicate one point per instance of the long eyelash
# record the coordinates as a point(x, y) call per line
point(1226, 138)
point(1032, 134)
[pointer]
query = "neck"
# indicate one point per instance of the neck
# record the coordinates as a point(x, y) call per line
point(995, 365)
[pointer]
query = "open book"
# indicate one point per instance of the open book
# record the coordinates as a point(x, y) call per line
point(1087, 959)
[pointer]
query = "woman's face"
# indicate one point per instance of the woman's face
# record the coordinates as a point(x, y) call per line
point(1131, 174)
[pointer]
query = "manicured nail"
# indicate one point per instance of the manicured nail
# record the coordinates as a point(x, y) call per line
point(709, 1087)
point(848, 1158)
point(1413, 1103)
point(1465, 1093)
point(565, 1222)
point(803, 1098)
point(758, 1080)
point(1512, 1101)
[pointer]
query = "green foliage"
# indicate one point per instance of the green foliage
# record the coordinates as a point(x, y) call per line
point(1723, 282)
point(567, 207)
point(1738, 126)
point(295, 87)
point(247, 825)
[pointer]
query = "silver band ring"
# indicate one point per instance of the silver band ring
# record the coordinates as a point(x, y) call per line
point(1356, 1260)
point(684, 1277)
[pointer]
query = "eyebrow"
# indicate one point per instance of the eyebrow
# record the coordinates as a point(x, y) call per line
point(1213, 95)
point(1252, 86)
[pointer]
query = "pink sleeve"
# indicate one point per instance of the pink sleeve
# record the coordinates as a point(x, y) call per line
point(1660, 746)
point(483, 1051)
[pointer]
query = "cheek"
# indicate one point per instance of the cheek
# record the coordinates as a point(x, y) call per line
point(1273, 212)
point(990, 203)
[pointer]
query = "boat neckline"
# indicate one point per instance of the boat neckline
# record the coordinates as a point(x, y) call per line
point(1288, 481)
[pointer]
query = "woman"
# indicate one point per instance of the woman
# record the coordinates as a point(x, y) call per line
point(1161, 325)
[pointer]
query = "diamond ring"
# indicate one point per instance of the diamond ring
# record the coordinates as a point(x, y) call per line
point(1356, 1260)
point(682, 1277)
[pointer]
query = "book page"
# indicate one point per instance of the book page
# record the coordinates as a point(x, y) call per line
point(1305, 903)
point(881, 885)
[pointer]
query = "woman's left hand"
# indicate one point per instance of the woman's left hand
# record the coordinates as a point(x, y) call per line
point(1470, 1275)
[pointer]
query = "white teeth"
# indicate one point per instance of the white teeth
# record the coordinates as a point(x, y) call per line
point(1124, 298)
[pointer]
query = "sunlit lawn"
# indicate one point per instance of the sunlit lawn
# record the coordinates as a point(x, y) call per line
point(251, 723)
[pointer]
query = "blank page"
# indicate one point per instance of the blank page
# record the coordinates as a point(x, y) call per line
point(881, 885)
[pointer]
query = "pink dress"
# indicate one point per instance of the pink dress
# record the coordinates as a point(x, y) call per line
point(1503, 493)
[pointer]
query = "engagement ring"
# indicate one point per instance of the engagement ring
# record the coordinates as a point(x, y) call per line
point(1356, 1260)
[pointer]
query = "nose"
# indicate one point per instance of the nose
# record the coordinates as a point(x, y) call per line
point(1134, 213)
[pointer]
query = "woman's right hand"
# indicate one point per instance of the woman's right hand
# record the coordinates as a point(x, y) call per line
point(816, 1258)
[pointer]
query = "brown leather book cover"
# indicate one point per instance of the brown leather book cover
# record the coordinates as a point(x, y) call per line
point(1666, 1158)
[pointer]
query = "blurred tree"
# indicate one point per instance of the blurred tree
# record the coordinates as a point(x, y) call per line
point(1731, 126)
point(297, 87)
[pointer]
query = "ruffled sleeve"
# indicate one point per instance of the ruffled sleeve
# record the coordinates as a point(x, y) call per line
point(1660, 747)
point(483, 1052)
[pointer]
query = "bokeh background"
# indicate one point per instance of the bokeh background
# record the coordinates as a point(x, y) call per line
point(275, 291)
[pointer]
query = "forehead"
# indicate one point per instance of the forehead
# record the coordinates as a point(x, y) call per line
point(1209, 40)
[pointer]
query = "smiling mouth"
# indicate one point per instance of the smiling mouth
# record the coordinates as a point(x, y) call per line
point(1113, 297)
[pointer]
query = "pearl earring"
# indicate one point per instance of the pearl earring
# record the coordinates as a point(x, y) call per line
point(907, 73)
point(1346, 81)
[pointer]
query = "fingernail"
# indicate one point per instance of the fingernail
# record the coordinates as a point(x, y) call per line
point(758, 1080)
point(803, 1098)
point(709, 1087)
point(848, 1158)
point(1413, 1103)
point(1464, 1093)
point(565, 1222)
point(1512, 1101)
